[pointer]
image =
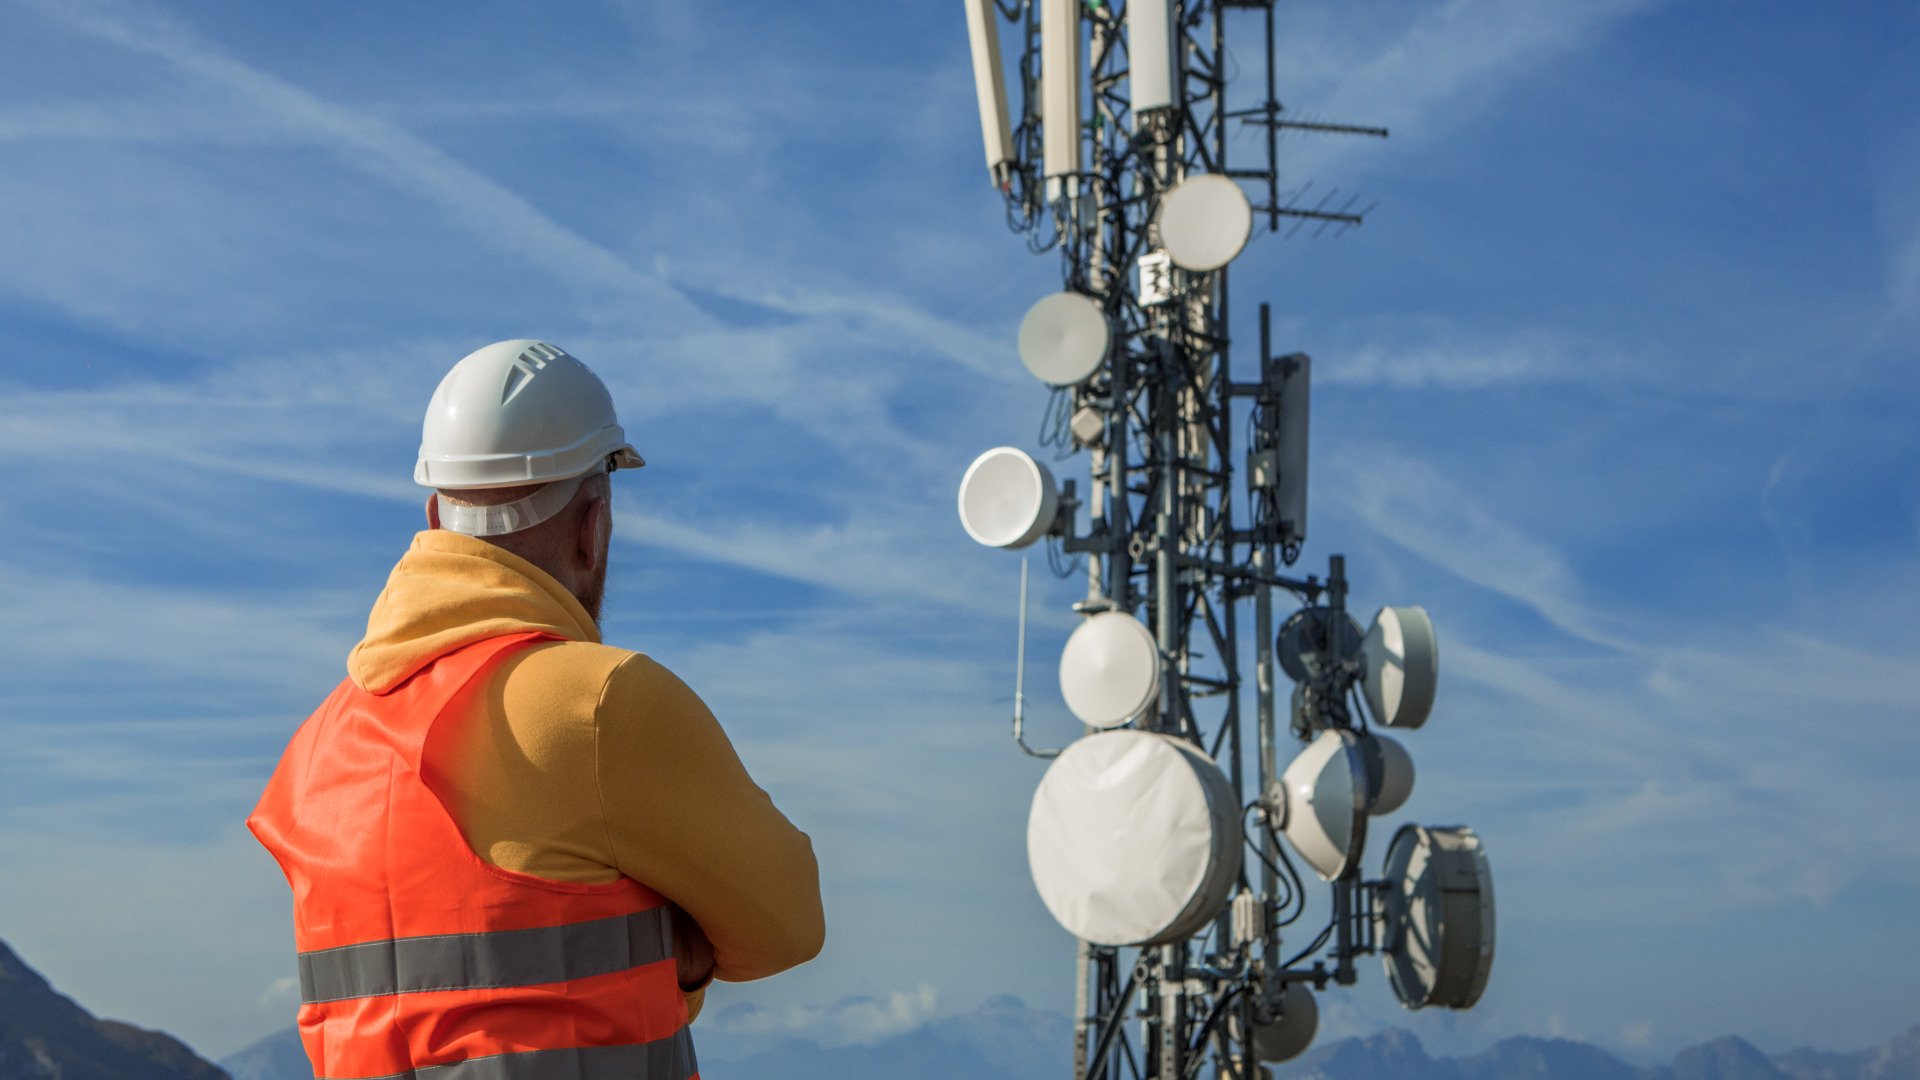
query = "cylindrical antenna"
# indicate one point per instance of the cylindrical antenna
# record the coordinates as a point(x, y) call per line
point(1020, 657)
point(1059, 91)
point(1152, 65)
point(990, 87)
point(1020, 677)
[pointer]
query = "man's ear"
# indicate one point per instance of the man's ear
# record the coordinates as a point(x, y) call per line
point(433, 511)
point(592, 524)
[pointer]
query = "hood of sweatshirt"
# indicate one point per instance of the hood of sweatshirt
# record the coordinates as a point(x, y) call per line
point(449, 590)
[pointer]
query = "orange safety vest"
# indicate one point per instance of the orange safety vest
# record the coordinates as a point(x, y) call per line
point(420, 961)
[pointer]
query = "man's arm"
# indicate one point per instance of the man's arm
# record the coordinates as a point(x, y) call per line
point(693, 961)
point(683, 816)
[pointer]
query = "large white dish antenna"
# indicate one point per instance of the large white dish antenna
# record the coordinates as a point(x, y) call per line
point(1289, 1033)
point(1437, 915)
point(1110, 669)
point(1064, 338)
point(1133, 838)
point(1007, 499)
point(1322, 799)
point(1204, 222)
point(1402, 666)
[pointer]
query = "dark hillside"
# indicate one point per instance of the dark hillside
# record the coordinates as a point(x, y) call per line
point(45, 1036)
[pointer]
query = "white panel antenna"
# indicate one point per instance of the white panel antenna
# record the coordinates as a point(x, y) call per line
point(1060, 93)
point(990, 87)
point(1154, 66)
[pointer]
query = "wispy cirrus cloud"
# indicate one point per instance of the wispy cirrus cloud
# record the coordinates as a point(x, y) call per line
point(495, 215)
point(1440, 67)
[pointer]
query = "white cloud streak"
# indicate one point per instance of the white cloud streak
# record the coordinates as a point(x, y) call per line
point(1447, 64)
point(490, 211)
point(851, 1021)
point(1414, 504)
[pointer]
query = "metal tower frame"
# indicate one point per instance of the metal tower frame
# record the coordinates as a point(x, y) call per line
point(1169, 538)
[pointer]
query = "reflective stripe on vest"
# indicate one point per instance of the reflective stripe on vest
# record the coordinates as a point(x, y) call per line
point(671, 1056)
point(486, 961)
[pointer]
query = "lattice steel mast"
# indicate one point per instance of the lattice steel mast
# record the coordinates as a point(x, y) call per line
point(1169, 537)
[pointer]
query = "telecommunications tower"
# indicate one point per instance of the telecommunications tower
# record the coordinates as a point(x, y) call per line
point(1119, 157)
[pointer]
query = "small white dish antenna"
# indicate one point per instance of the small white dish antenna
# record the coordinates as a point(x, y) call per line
point(1291, 1030)
point(1321, 800)
point(1110, 669)
point(1204, 222)
point(1007, 499)
point(1133, 838)
point(1436, 923)
point(1391, 775)
point(1402, 666)
point(1064, 338)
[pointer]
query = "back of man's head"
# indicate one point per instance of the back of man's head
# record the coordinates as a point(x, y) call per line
point(517, 444)
point(571, 546)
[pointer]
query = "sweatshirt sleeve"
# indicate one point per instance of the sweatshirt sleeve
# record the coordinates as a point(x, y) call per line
point(683, 816)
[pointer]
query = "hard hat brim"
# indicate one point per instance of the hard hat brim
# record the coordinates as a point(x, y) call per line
point(475, 472)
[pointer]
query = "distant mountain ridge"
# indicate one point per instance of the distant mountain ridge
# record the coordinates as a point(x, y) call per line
point(1396, 1054)
point(45, 1036)
point(1004, 1039)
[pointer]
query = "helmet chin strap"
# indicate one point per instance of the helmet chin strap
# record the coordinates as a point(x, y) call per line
point(469, 520)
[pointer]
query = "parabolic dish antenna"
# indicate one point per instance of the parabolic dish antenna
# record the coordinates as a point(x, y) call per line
point(1007, 499)
point(1064, 338)
point(1204, 222)
point(1314, 639)
point(1322, 800)
point(1110, 669)
point(1437, 937)
point(1287, 1035)
point(1395, 779)
point(1133, 838)
point(1402, 666)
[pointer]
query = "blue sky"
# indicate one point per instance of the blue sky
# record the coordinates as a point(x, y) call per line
point(1619, 382)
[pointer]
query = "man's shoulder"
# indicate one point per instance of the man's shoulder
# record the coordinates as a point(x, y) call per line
point(599, 676)
point(572, 668)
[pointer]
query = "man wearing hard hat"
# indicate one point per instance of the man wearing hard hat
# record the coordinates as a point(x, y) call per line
point(517, 853)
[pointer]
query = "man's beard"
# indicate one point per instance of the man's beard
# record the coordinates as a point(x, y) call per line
point(594, 592)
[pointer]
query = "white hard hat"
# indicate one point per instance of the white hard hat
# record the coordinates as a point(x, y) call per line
point(513, 413)
point(519, 412)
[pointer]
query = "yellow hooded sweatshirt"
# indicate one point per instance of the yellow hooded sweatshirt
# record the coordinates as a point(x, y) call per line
point(583, 762)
